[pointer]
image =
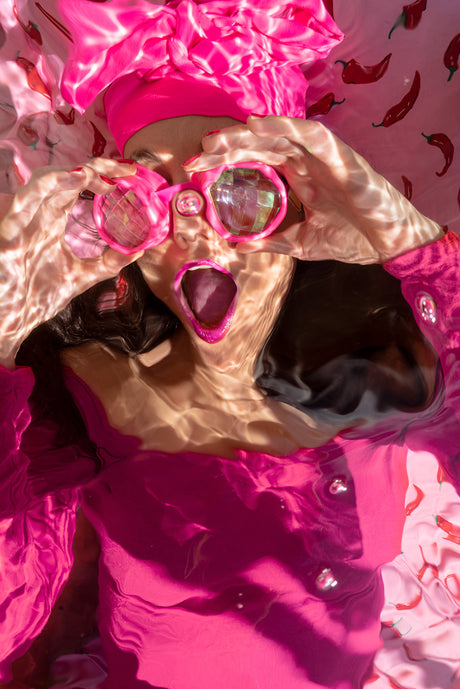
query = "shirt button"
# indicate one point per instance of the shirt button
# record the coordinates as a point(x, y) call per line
point(337, 486)
point(426, 306)
point(325, 581)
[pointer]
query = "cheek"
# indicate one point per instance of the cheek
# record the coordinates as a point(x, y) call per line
point(158, 273)
point(267, 277)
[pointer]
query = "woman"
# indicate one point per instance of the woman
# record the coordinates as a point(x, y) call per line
point(245, 578)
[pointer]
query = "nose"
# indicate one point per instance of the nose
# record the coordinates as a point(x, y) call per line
point(189, 218)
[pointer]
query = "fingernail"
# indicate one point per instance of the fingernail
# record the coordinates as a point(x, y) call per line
point(77, 169)
point(211, 132)
point(190, 160)
point(255, 116)
point(127, 161)
point(87, 195)
point(107, 180)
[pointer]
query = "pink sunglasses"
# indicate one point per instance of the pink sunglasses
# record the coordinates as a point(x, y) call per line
point(244, 201)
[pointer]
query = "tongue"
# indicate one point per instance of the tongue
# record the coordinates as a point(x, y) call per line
point(209, 294)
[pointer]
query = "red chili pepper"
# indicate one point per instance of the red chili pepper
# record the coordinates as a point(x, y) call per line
point(28, 135)
point(2, 36)
point(62, 118)
point(122, 289)
point(407, 187)
point(440, 477)
point(410, 16)
point(452, 530)
point(323, 106)
point(31, 29)
point(99, 142)
point(34, 80)
point(19, 177)
point(416, 502)
point(446, 146)
point(329, 7)
point(355, 73)
point(451, 55)
point(409, 606)
point(400, 110)
point(54, 21)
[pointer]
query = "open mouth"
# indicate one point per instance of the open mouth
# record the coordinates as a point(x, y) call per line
point(207, 293)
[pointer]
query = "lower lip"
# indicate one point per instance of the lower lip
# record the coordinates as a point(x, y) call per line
point(207, 334)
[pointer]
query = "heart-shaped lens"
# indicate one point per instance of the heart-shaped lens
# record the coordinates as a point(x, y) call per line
point(245, 200)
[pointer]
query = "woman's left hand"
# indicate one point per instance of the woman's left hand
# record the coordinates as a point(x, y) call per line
point(352, 214)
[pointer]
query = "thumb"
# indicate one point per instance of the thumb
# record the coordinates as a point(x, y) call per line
point(281, 243)
point(109, 263)
point(114, 261)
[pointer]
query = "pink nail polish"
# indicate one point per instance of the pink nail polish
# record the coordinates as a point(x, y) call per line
point(211, 132)
point(107, 180)
point(191, 160)
point(77, 169)
point(127, 161)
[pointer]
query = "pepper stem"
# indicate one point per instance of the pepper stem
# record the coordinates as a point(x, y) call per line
point(428, 138)
point(452, 71)
point(400, 20)
point(342, 62)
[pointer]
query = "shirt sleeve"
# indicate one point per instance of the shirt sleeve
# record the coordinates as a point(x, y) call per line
point(430, 282)
point(36, 525)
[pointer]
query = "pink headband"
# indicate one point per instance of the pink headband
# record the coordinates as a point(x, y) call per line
point(192, 57)
point(132, 103)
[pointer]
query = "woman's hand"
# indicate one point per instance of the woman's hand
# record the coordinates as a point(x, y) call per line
point(39, 273)
point(352, 214)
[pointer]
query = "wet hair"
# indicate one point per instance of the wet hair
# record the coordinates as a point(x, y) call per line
point(130, 320)
point(343, 345)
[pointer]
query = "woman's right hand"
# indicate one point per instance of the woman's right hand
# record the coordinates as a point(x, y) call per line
point(39, 273)
point(352, 213)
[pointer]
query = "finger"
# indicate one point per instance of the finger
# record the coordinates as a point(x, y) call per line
point(226, 139)
point(220, 143)
point(300, 131)
point(29, 199)
point(286, 242)
point(112, 168)
point(207, 161)
point(107, 265)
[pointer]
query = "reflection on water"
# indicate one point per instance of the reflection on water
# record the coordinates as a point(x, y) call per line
point(197, 535)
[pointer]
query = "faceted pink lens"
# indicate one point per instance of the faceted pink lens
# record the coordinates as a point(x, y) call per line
point(124, 218)
point(245, 200)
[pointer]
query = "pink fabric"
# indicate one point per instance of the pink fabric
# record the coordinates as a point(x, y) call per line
point(221, 588)
point(350, 105)
point(252, 51)
point(132, 103)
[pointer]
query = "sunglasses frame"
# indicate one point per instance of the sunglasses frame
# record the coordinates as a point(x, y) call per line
point(154, 196)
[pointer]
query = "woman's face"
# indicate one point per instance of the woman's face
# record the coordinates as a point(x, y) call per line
point(222, 297)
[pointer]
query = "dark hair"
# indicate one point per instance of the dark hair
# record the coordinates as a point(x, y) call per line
point(337, 334)
point(134, 324)
point(345, 345)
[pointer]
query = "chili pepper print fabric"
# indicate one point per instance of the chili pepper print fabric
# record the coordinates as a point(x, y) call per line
point(397, 67)
point(395, 75)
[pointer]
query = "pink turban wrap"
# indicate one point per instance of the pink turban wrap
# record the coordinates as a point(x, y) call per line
point(192, 57)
